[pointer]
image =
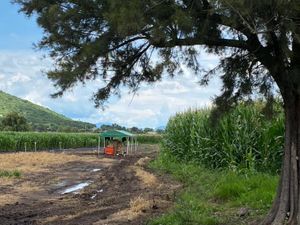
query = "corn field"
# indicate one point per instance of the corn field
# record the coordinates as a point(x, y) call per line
point(149, 139)
point(35, 141)
point(242, 139)
point(31, 141)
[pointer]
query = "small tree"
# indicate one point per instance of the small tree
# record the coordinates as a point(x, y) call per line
point(127, 42)
point(14, 122)
point(135, 130)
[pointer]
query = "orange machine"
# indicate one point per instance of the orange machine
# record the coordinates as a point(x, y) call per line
point(109, 150)
point(113, 149)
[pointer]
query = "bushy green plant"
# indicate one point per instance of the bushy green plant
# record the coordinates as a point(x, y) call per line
point(14, 122)
point(10, 174)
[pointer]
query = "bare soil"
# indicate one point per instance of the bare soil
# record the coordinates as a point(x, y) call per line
point(121, 190)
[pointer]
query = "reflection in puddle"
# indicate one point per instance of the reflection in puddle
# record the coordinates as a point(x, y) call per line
point(96, 170)
point(76, 187)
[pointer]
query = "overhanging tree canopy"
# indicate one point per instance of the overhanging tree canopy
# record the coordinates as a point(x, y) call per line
point(117, 40)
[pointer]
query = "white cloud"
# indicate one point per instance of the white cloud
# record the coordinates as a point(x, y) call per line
point(20, 75)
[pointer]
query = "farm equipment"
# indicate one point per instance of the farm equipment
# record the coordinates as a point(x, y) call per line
point(109, 150)
point(115, 141)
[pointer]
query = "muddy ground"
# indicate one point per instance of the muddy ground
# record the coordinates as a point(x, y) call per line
point(120, 190)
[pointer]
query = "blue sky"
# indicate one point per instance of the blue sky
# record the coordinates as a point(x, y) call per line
point(17, 31)
point(21, 74)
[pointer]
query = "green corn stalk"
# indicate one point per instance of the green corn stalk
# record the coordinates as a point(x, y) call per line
point(242, 140)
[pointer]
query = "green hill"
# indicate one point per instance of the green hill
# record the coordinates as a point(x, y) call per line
point(40, 118)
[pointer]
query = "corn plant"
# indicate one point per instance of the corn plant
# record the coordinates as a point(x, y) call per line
point(16, 141)
point(242, 139)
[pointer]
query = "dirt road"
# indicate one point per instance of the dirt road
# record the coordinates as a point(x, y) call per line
point(114, 191)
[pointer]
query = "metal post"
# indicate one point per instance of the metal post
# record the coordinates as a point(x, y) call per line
point(127, 146)
point(35, 146)
point(60, 145)
point(104, 146)
point(99, 145)
point(25, 145)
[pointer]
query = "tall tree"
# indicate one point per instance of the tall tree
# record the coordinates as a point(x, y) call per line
point(14, 122)
point(127, 42)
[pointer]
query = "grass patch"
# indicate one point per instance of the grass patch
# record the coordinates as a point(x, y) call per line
point(215, 197)
point(10, 174)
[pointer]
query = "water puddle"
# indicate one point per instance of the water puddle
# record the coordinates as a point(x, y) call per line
point(95, 170)
point(94, 196)
point(100, 191)
point(76, 188)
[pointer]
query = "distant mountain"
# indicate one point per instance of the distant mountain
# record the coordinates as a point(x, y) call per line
point(40, 118)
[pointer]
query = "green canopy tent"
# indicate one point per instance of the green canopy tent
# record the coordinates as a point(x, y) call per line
point(131, 142)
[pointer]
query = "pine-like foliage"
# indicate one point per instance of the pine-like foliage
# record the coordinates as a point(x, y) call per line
point(126, 42)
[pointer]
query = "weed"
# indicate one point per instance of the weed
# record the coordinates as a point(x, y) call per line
point(10, 174)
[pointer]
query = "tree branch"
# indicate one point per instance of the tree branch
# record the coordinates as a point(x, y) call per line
point(126, 42)
point(218, 42)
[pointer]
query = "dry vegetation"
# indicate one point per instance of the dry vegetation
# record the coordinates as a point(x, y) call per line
point(35, 162)
point(143, 161)
point(136, 207)
point(8, 199)
point(147, 178)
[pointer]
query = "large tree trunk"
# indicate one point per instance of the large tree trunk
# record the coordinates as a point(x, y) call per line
point(286, 206)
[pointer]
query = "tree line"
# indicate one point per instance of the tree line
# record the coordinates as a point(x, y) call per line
point(14, 121)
